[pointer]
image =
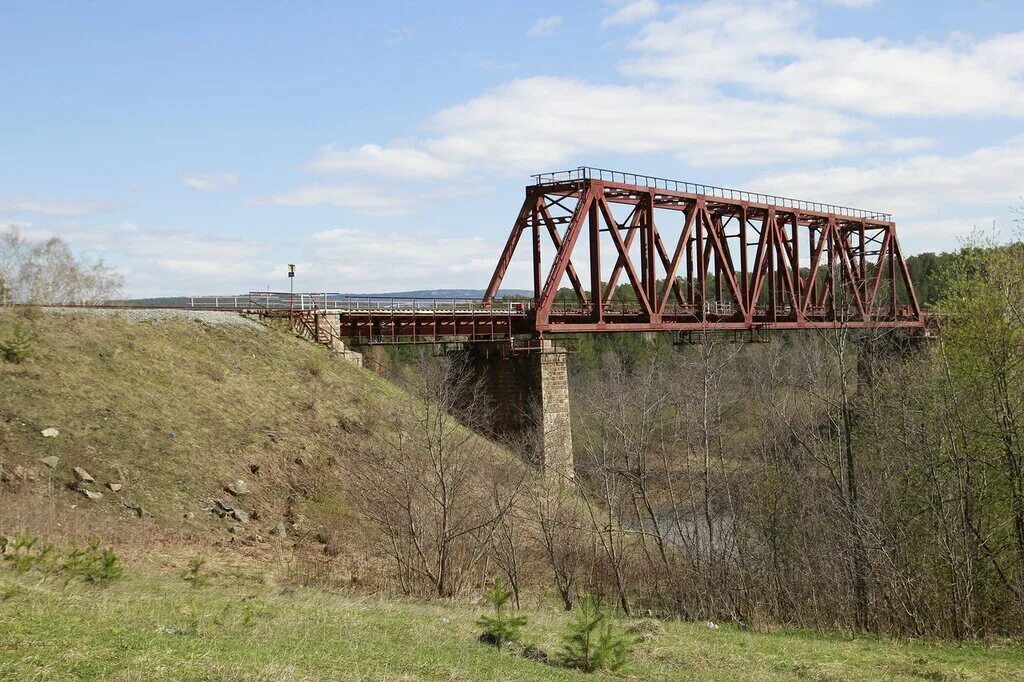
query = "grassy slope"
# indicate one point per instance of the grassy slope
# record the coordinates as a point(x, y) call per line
point(175, 410)
point(234, 398)
point(144, 628)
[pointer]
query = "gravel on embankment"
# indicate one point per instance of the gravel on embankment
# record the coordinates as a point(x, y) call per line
point(218, 318)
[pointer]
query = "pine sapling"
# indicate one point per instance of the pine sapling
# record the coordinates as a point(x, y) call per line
point(591, 642)
point(17, 347)
point(501, 627)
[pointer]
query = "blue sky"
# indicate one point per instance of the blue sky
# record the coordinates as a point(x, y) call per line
point(199, 147)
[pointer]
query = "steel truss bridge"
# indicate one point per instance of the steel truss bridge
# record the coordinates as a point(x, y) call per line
point(690, 258)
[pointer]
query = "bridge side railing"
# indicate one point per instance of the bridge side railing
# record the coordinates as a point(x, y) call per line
point(281, 301)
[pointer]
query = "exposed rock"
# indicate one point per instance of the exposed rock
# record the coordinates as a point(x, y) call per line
point(238, 488)
point(226, 505)
point(280, 530)
point(91, 494)
point(83, 475)
point(52, 461)
point(115, 487)
point(18, 474)
point(134, 506)
point(240, 515)
point(236, 529)
point(50, 432)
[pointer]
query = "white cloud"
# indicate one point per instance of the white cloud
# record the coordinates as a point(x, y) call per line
point(364, 199)
point(931, 230)
point(164, 263)
point(384, 161)
point(513, 129)
point(853, 4)
point(631, 11)
point(772, 47)
point(27, 205)
point(208, 182)
point(369, 261)
point(802, 98)
point(544, 26)
point(927, 185)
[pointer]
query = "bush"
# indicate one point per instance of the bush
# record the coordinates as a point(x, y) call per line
point(501, 627)
point(194, 575)
point(94, 564)
point(591, 642)
point(24, 553)
point(17, 347)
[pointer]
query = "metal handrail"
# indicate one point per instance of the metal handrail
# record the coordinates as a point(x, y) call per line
point(286, 301)
point(591, 173)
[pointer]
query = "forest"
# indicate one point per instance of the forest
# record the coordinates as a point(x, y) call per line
point(850, 479)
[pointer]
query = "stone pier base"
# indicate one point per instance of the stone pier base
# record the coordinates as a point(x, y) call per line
point(529, 394)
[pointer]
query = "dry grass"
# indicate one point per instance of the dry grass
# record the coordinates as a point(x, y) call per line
point(174, 410)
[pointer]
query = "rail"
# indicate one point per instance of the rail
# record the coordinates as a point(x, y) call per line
point(591, 173)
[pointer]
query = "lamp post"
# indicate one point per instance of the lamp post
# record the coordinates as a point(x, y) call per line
point(291, 286)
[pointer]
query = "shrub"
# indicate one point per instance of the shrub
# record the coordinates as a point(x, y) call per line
point(8, 592)
point(94, 564)
point(501, 627)
point(17, 347)
point(591, 642)
point(194, 575)
point(24, 553)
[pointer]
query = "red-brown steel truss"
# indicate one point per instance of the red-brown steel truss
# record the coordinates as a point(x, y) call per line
point(690, 257)
point(734, 260)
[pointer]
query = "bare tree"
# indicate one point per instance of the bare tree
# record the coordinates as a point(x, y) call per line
point(48, 272)
point(559, 531)
point(427, 489)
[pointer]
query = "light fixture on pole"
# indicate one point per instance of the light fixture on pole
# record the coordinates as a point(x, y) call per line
point(291, 286)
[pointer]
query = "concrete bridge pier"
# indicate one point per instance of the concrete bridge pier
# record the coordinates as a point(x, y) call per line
point(529, 396)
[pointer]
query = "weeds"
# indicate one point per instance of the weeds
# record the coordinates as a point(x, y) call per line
point(194, 575)
point(95, 564)
point(8, 592)
point(24, 553)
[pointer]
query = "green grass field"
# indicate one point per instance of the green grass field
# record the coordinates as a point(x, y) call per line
point(155, 627)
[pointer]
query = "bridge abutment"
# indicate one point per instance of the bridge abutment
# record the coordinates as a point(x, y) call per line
point(529, 395)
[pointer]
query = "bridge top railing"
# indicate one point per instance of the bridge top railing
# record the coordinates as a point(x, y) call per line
point(591, 173)
point(281, 301)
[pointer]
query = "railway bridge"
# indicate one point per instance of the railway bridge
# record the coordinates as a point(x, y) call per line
point(691, 258)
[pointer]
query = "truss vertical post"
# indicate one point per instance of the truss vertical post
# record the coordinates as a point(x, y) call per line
point(535, 220)
point(595, 263)
point(744, 267)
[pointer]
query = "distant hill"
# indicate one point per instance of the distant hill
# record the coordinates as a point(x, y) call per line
point(174, 301)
